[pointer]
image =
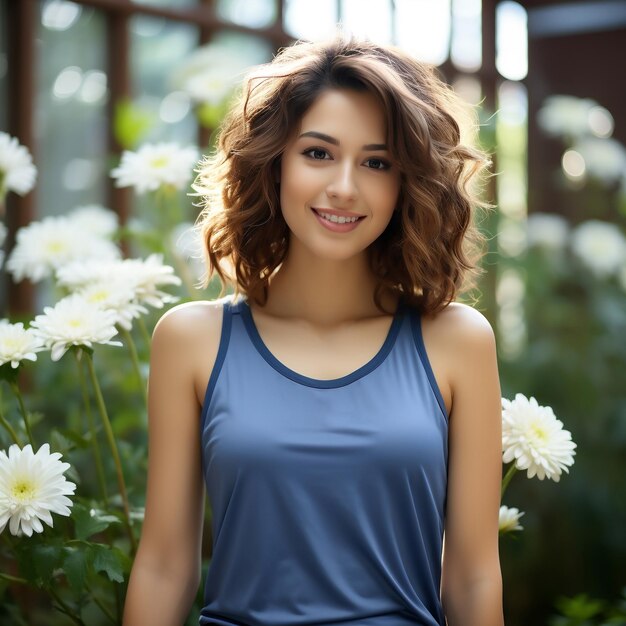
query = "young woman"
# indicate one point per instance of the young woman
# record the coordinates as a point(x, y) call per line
point(342, 410)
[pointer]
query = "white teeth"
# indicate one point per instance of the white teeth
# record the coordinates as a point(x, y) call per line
point(339, 220)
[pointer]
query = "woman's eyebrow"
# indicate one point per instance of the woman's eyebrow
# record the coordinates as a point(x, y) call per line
point(329, 139)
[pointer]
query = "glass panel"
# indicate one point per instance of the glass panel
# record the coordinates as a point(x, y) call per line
point(423, 28)
point(511, 40)
point(466, 51)
point(168, 4)
point(308, 20)
point(71, 94)
point(251, 13)
point(158, 47)
point(3, 68)
point(368, 18)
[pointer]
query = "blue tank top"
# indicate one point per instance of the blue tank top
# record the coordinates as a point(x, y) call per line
point(327, 496)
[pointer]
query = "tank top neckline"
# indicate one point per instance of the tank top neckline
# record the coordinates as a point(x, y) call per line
point(319, 383)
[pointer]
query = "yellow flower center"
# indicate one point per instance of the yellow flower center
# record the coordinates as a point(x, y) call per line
point(539, 433)
point(161, 161)
point(55, 246)
point(75, 323)
point(23, 490)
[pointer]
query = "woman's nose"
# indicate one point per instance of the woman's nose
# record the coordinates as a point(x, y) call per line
point(343, 184)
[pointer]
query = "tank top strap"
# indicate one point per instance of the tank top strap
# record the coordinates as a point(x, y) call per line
point(228, 308)
point(415, 318)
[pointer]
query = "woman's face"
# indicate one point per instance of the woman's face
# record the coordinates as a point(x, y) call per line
point(337, 165)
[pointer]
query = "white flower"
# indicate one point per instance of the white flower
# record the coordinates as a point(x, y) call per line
point(605, 159)
point(18, 343)
point(211, 86)
point(17, 172)
point(601, 246)
point(32, 487)
point(508, 519)
point(95, 219)
point(117, 295)
point(75, 322)
point(46, 245)
point(547, 230)
point(535, 439)
point(145, 276)
point(566, 115)
point(211, 72)
point(156, 165)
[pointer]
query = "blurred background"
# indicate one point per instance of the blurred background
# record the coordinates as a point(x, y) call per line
point(81, 81)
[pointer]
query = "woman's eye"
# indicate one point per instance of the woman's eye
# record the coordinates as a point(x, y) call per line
point(316, 153)
point(378, 164)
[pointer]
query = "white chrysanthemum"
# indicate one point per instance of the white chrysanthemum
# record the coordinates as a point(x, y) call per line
point(95, 220)
point(144, 275)
point(601, 246)
point(605, 159)
point(46, 245)
point(211, 86)
point(535, 439)
point(17, 172)
point(156, 165)
point(117, 295)
point(211, 71)
point(566, 115)
point(32, 487)
point(75, 322)
point(547, 230)
point(18, 343)
point(508, 519)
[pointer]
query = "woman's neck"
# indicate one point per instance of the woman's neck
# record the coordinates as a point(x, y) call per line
point(325, 292)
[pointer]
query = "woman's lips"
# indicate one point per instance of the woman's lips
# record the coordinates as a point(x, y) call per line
point(336, 227)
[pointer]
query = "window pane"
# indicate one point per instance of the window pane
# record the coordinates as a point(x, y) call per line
point(3, 67)
point(368, 18)
point(308, 20)
point(168, 4)
point(158, 46)
point(251, 13)
point(423, 28)
point(70, 111)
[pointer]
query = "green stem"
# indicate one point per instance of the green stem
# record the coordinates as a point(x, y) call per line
point(507, 478)
point(145, 335)
point(65, 608)
point(92, 429)
point(102, 606)
point(135, 360)
point(116, 457)
point(13, 579)
point(20, 401)
point(12, 432)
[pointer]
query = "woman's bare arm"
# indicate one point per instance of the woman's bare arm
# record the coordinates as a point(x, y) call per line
point(166, 572)
point(471, 579)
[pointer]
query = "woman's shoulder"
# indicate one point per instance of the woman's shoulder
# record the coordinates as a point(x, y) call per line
point(460, 333)
point(192, 323)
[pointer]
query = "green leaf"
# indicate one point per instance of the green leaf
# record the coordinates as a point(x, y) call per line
point(88, 522)
point(76, 565)
point(38, 560)
point(112, 561)
point(131, 123)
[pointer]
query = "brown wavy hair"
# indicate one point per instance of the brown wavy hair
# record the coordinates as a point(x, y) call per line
point(429, 251)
